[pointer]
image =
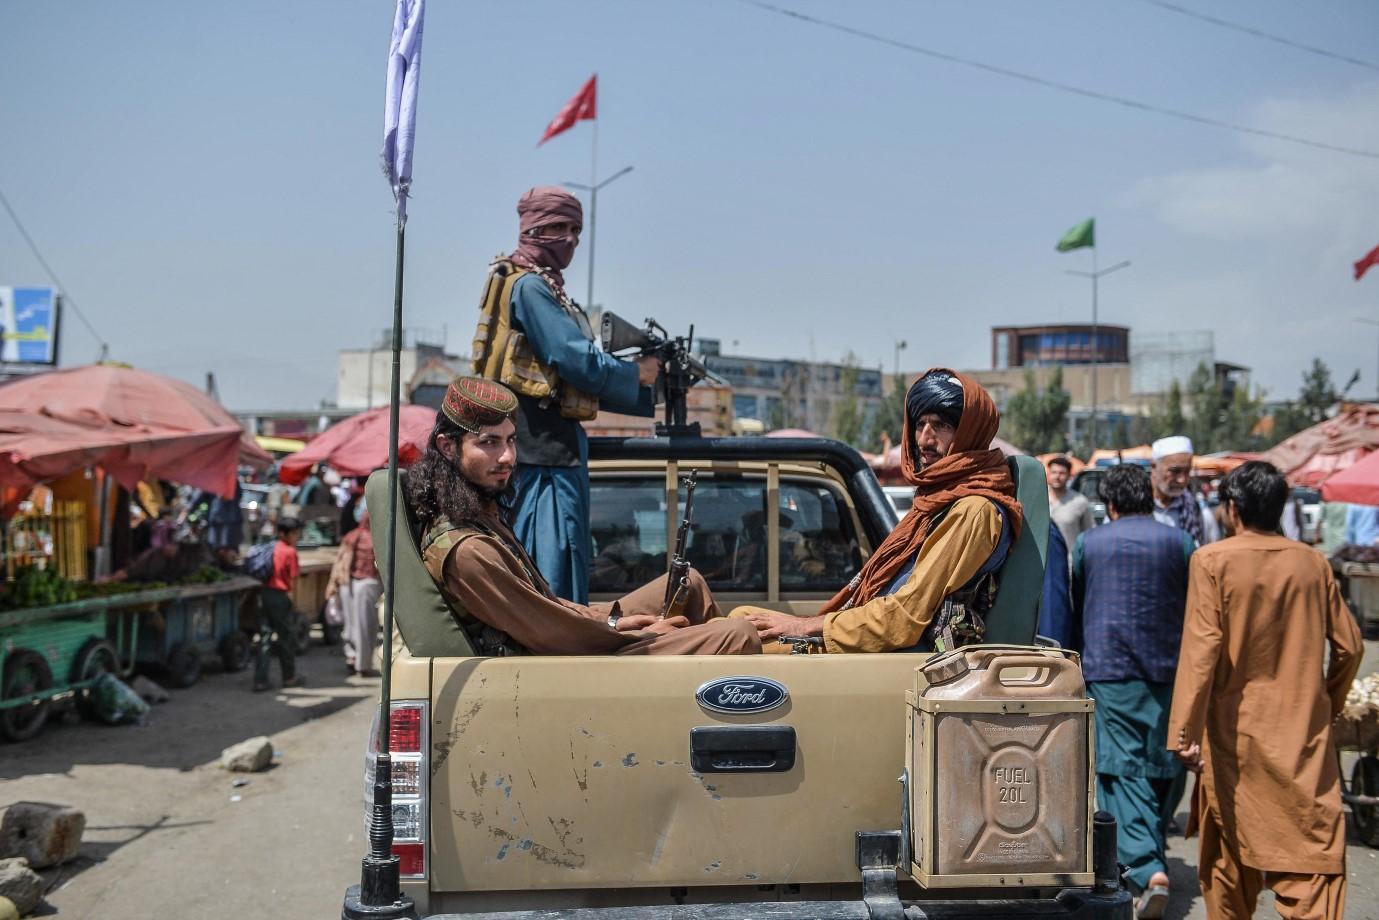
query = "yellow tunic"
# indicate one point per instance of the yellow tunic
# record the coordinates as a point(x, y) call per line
point(1258, 690)
point(948, 558)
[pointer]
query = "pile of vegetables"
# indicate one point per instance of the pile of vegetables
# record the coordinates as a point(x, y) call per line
point(37, 587)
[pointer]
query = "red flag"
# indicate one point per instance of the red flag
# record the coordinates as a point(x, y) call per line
point(1367, 263)
point(583, 107)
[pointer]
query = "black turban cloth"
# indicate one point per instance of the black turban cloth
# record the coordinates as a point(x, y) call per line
point(937, 392)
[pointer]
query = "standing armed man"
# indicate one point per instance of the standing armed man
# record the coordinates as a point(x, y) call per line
point(1269, 650)
point(536, 340)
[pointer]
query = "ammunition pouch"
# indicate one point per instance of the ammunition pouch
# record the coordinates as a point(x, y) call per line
point(435, 548)
point(504, 354)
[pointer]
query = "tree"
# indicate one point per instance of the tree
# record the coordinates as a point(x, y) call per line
point(846, 417)
point(889, 420)
point(1037, 420)
point(1316, 397)
point(1168, 419)
point(1220, 418)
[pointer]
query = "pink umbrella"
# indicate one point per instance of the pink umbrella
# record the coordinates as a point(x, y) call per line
point(114, 396)
point(37, 448)
point(359, 445)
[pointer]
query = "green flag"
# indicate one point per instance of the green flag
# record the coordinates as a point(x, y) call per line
point(1084, 234)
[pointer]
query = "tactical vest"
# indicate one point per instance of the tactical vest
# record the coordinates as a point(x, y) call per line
point(435, 547)
point(504, 354)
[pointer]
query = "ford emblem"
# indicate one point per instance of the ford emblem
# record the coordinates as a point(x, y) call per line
point(741, 695)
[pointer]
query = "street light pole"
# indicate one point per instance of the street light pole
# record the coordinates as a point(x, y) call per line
point(1095, 276)
point(593, 191)
point(900, 346)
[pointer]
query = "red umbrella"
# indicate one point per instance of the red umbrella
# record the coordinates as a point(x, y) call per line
point(1357, 484)
point(359, 445)
point(113, 396)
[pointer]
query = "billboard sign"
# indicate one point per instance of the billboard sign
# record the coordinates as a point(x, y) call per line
point(28, 325)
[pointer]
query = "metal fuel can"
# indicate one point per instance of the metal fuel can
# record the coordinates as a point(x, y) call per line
point(999, 764)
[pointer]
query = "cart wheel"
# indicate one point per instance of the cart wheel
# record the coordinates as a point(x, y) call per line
point(96, 657)
point(302, 630)
point(25, 672)
point(234, 652)
point(1364, 780)
point(184, 666)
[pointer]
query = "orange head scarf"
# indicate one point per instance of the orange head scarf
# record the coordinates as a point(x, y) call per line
point(972, 467)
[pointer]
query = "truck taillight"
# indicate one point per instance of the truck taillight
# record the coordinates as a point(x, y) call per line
point(407, 747)
point(406, 727)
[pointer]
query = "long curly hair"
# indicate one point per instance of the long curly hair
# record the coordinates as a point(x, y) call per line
point(436, 488)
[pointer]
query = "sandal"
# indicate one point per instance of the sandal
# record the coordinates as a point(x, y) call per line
point(259, 688)
point(1152, 904)
point(293, 683)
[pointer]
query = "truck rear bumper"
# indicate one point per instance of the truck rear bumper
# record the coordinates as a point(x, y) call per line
point(1071, 904)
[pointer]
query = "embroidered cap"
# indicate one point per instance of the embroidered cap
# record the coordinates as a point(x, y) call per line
point(476, 402)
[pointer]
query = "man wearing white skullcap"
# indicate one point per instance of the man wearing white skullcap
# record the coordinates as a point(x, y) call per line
point(1174, 502)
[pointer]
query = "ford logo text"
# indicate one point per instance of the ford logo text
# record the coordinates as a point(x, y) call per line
point(741, 695)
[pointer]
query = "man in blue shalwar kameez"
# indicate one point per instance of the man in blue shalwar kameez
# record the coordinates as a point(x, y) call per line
point(1129, 592)
point(534, 338)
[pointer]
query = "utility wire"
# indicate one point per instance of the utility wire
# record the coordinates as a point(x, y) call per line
point(1259, 33)
point(1054, 84)
point(66, 295)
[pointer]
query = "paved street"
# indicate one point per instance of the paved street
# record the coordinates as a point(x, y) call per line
point(164, 829)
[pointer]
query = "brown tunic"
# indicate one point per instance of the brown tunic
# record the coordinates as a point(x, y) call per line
point(493, 578)
point(1256, 689)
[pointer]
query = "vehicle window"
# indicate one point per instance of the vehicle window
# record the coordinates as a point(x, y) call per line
point(1089, 484)
point(628, 522)
point(819, 548)
point(728, 543)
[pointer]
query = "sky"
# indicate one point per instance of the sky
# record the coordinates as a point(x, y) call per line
point(204, 177)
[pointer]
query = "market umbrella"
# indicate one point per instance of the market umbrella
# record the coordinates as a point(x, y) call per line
point(1357, 484)
point(359, 445)
point(37, 448)
point(1314, 455)
point(115, 396)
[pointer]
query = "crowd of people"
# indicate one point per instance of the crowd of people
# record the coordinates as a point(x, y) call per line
point(1228, 658)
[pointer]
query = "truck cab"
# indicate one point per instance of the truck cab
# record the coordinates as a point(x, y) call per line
point(769, 785)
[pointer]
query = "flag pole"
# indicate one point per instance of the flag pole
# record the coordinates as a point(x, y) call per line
point(593, 210)
point(379, 895)
point(1092, 428)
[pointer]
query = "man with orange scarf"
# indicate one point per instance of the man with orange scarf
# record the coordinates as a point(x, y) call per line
point(936, 562)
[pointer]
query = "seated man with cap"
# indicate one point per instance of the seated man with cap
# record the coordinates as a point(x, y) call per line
point(1175, 504)
point(930, 582)
point(460, 491)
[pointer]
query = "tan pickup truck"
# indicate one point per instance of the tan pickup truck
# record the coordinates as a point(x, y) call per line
point(716, 787)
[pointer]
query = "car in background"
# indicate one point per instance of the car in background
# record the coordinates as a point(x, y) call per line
point(1311, 500)
point(902, 497)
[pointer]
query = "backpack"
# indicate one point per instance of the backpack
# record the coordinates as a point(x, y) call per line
point(258, 562)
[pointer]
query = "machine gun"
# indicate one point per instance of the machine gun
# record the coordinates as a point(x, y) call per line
point(682, 369)
point(677, 583)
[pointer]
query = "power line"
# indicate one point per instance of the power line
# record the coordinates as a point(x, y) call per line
point(66, 295)
point(1054, 84)
point(1259, 33)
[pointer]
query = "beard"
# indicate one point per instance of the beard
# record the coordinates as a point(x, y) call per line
point(438, 489)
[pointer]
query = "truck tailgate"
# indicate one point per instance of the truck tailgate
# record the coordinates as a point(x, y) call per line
point(574, 772)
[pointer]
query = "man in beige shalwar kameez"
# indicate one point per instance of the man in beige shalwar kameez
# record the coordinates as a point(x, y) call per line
point(1253, 704)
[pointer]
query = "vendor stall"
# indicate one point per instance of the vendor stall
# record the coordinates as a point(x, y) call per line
point(59, 649)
